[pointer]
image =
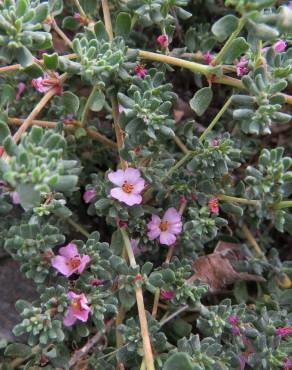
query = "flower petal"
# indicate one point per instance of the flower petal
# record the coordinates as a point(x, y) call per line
point(167, 238)
point(132, 175)
point(172, 215)
point(138, 186)
point(129, 199)
point(117, 177)
point(154, 223)
point(60, 263)
point(154, 233)
point(175, 228)
point(69, 251)
point(83, 263)
point(69, 319)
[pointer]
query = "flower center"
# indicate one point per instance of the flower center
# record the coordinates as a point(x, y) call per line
point(163, 225)
point(74, 262)
point(77, 304)
point(127, 188)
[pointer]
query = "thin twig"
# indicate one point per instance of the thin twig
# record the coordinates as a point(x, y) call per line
point(63, 36)
point(68, 126)
point(77, 227)
point(173, 315)
point(77, 356)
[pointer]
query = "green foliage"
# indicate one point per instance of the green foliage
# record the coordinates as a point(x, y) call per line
point(21, 30)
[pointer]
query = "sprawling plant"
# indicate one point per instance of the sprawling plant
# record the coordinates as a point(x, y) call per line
point(145, 183)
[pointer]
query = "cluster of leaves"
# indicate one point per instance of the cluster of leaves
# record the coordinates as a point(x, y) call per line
point(226, 182)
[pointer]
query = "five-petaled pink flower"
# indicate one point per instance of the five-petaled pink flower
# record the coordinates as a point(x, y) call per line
point(21, 86)
point(129, 186)
point(213, 205)
point(241, 67)
point(89, 195)
point(167, 228)
point(167, 294)
point(208, 57)
point(280, 46)
point(69, 260)
point(140, 70)
point(162, 40)
point(284, 332)
point(78, 309)
point(43, 84)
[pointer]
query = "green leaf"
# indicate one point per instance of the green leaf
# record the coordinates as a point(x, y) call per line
point(33, 70)
point(70, 23)
point(224, 27)
point(56, 7)
point(180, 360)
point(23, 56)
point(71, 102)
point(51, 61)
point(190, 40)
point(21, 8)
point(263, 31)
point(17, 350)
point(29, 197)
point(9, 146)
point(7, 95)
point(238, 47)
point(127, 299)
point(97, 101)
point(201, 100)
point(41, 13)
point(123, 25)
point(100, 31)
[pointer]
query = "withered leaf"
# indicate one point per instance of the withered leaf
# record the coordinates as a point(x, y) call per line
point(216, 269)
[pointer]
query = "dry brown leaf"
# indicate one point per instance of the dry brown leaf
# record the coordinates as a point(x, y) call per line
point(216, 269)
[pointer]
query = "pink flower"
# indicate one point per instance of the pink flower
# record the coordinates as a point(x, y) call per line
point(162, 40)
point(77, 16)
point(208, 57)
point(280, 46)
point(21, 86)
point(167, 228)
point(69, 260)
point(140, 70)
point(241, 67)
point(89, 195)
point(167, 294)
point(14, 197)
point(284, 332)
point(129, 185)
point(78, 309)
point(43, 84)
point(214, 205)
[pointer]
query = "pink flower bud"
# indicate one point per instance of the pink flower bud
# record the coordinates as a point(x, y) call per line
point(280, 46)
point(162, 40)
point(167, 294)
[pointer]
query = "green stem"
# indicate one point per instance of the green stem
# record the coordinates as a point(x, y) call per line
point(228, 198)
point(228, 43)
point(129, 248)
point(88, 105)
point(216, 119)
point(77, 227)
point(283, 204)
point(181, 162)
